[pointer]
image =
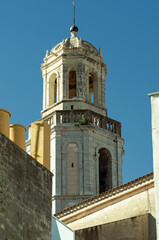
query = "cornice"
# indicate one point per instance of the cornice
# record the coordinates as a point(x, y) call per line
point(70, 100)
point(64, 55)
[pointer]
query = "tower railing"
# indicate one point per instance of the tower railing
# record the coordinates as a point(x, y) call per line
point(84, 117)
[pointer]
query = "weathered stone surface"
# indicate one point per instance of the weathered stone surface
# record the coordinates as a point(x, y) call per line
point(27, 192)
point(140, 227)
point(89, 140)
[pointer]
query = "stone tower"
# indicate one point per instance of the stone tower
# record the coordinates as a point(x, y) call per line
point(86, 145)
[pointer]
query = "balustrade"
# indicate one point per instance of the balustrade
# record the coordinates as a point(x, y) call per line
point(74, 116)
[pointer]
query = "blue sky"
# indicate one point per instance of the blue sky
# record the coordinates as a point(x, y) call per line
point(128, 33)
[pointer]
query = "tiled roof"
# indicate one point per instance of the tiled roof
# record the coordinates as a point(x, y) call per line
point(105, 195)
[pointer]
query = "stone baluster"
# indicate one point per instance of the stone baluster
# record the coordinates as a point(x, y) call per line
point(108, 126)
point(66, 117)
point(114, 127)
point(69, 117)
point(63, 118)
point(72, 117)
point(57, 117)
point(103, 122)
point(96, 120)
point(85, 114)
point(75, 117)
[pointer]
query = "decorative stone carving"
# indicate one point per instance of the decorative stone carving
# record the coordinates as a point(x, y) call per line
point(81, 81)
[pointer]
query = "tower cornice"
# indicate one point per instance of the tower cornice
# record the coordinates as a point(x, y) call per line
point(49, 62)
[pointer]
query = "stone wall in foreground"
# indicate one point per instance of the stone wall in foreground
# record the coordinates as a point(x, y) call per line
point(25, 195)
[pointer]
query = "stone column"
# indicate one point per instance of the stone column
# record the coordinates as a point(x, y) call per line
point(4, 121)
point(80, 82)
point(102, 88)
point(40, 142)
point(155, 142)
point(87, 86)
point(58, 86)
point(44, 89)
point(17, 134)
point(64, 88)
point(47, 85)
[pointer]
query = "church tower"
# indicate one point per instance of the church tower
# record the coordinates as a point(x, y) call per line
point(86, 145)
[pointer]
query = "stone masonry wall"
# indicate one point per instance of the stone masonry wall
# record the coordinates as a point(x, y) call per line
point(25, 195)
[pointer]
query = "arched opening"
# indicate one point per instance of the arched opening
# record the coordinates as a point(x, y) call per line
point(55, 91)
point(105, 170)
point(72, 85)
point(93, 88)
point(52, 89)
point(72, 175)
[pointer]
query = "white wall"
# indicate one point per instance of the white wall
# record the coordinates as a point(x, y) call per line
point(136, 205)
point(155, 143)
point(60, 231)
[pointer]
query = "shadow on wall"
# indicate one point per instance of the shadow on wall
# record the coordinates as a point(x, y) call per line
point(60, 231)
point(152, 227)
point(55, 229)
point(36, 156)
point(140, 227)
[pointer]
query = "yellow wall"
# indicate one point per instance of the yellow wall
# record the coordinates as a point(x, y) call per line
point(17, 135)
point(4, 121)
point(40, 142)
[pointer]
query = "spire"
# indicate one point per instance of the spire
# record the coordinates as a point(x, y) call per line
point(74, 3)
point(74, 29)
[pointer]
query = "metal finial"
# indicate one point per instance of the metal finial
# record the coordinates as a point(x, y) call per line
point(74, 29)
point(74, 3)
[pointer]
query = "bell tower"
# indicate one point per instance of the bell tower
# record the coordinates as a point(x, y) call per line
point(86, 145)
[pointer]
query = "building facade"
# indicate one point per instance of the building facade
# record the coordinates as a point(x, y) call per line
point(125, 212)
point(86, 146)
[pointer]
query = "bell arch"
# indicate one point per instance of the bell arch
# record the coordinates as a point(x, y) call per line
point(72, 169)
point(72, 84)
point(93, 88)
point(105, 170)
point(52, 89)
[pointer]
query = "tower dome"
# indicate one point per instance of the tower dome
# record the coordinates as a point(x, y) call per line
point(75, 42)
